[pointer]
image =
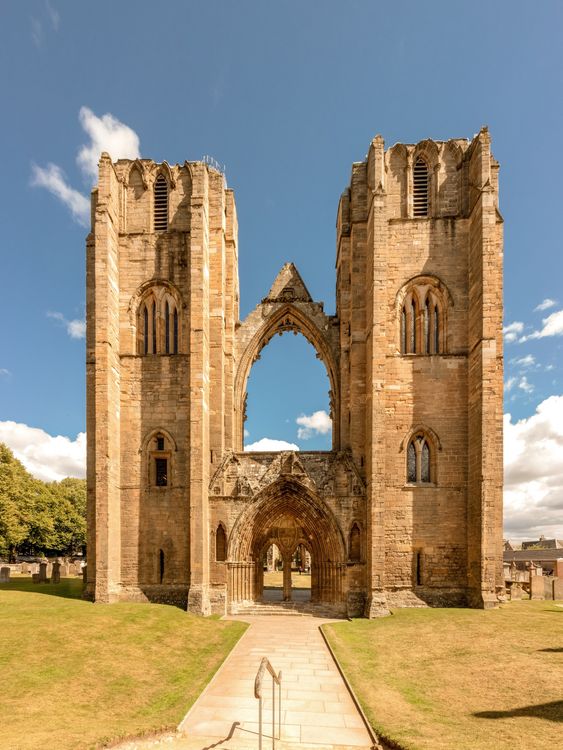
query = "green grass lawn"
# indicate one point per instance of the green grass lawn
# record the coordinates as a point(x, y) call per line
point(438, 679)
point(275, 580)
point(79, 675)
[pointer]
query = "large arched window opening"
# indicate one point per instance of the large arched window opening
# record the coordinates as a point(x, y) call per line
point(422, 311)
point(288, 402)
point(158, 322)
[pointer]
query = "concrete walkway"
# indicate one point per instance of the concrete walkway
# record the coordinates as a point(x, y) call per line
point(316, 706)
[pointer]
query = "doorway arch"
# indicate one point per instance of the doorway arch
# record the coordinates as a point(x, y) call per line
point(287, 513)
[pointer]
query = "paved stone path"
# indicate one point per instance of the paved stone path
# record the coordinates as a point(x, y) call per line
point(316, 706)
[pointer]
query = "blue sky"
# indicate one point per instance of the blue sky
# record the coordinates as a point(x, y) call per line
point(286, 95)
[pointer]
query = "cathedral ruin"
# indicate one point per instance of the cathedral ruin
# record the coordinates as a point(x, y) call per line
point(406, 509)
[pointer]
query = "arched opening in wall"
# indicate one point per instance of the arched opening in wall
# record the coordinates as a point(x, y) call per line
point(286, 573)
point(288, 401)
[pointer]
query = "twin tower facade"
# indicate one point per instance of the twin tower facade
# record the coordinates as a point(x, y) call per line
point(406, 509)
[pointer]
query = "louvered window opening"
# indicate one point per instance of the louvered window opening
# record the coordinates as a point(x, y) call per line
point(420, 188)
point(160, 205)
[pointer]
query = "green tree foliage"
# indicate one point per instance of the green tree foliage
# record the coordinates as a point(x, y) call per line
point(36, 516)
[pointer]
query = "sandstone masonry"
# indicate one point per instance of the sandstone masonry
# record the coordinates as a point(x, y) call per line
point(406, 509)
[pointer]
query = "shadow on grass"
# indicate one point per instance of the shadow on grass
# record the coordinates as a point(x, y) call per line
point(549, 711)
point(558, 650)
point(68, 588)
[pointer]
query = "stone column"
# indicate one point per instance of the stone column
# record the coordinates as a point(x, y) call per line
point(56, 573)
point(287, 578)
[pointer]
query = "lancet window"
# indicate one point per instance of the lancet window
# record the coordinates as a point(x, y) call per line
point(421, 188)
point(160, 204)
point(220, 544)
point(420, 460)
point(158, 323)
point(422, 320)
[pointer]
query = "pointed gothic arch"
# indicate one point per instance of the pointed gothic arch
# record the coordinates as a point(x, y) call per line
point(288, 307)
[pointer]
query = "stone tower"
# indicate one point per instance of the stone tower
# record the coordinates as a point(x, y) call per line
point(406, 509)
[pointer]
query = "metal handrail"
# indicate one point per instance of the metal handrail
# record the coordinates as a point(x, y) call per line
point(276, 680)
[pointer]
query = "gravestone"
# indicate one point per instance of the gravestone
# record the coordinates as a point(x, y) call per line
point(43, 572)
point(558, 588)
point(548, 587)
point(64, 571)
point(4, 574)
point(56, 573)
point(35, 577)
point(537, 590)
point(515, 592)
point(25, 568)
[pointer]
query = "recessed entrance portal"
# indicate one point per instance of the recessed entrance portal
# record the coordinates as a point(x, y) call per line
point(275, 572)
point(287, 534)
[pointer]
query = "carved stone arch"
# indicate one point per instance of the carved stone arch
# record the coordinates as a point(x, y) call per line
point(152, 434)
point(422, 280)
point(419, 287)
point(159, 287)
point(396, 165)
point(164, 170)
point(429, 151)
point(279, 499)
point(428, 432)
point(220, 542)
point(141, 169)
point(288, 307)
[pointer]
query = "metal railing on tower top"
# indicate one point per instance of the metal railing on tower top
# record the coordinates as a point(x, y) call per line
point(276, 680)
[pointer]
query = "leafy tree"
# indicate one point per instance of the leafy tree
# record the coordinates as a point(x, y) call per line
point(36, 516)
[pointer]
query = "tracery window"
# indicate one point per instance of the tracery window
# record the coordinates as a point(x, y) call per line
point(422, 319)
point(158, 323)
point(419, 460)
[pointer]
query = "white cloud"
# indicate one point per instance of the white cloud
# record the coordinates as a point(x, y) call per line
point(76, 328)
point(546, 304)
point(54, 16)
point(246, 433)
point(318, 423)
point(53, 179)
point(524, 385)
point(552, 326)
point(509, 384)
point(36, 31)
point(106, 133)
point(46, 457)
point(269, 444)
point(512, 331)
point(533, 473)
point(526, 361)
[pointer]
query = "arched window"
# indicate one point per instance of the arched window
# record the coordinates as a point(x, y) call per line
point(160, 204)
point(220, 544)
point(145, 315)
point(158, 322)
point(354, 544)
point(160, 452)
point(422, 317)
point(419, 460)
point(420, 188)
